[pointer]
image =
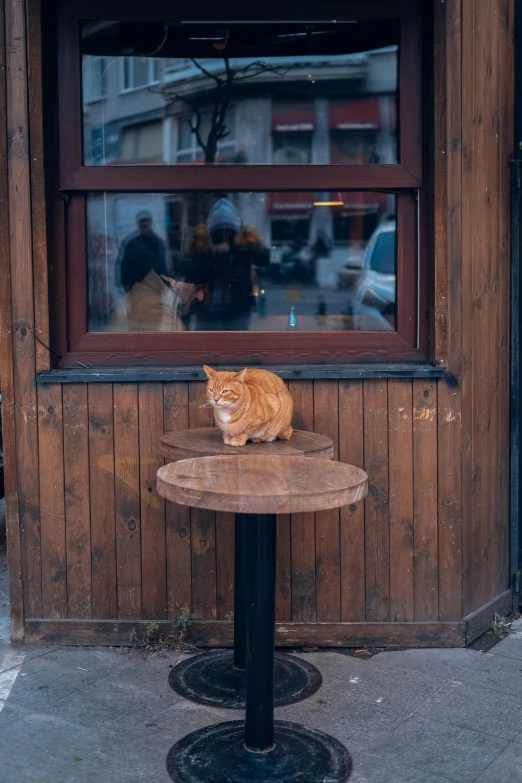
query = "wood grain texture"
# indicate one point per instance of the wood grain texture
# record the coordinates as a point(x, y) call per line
point(102, 512)
point(153, 550)
point(400, 444)
point(177, 518)
point(303, 525)
point(203, 525)
point(450, 436)
point(425, 501)
point(35, 75)
point(261, 485)
point(77, 500)
point(127, 500)
point(52, 501)
point(208, 441)
point(327, 530)
point(487, 128)
point(220, 634)
point(351, 451)
point(377, 529)
point(7, 380)
point(22, 307)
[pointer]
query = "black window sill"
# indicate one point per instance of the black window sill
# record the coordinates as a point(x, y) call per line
point(305, 372)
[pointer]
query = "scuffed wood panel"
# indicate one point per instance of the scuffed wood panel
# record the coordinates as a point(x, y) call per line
point(103, 532)
point(377, 521)
point(52, 503)
point(177, 518)
point(203, 525)
point(351, 451)
point(153, 550)
point(127, 500)
point(425, 500)
point(303, 525)
point(327, 533)
point(400, 423)
point(486, 130)
point(77, 500)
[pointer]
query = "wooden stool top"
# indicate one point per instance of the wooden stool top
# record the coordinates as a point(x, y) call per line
point(259, 484)
point(208, 442)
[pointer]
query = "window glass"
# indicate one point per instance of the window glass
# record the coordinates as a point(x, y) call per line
point(241, 261)
point(280, 93)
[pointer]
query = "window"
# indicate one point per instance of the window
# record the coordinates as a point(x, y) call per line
point(193, 132)
point(94, 79)
point(139, 72)
point(268, 179)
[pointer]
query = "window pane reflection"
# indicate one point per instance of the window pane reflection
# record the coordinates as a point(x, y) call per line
point(291, 93)
point(241, 261)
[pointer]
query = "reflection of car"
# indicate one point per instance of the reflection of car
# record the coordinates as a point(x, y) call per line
point(375, 290)
point(350, 272)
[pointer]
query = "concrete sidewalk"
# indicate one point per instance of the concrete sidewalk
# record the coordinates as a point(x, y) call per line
point(416, 716)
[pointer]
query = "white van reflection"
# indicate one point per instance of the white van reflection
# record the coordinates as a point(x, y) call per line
point(375, 290)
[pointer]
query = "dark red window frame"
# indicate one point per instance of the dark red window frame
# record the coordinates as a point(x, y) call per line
point(407, 179)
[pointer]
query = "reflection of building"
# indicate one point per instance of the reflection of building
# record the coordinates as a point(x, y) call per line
point(316, 109)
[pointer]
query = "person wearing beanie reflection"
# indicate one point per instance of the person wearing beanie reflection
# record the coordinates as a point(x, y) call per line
point(158, 303)
point(233, 252)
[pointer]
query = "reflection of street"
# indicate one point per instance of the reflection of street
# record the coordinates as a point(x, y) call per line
point(306, 301)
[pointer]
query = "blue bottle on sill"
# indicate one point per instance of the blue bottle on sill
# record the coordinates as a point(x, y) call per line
point(292, 320)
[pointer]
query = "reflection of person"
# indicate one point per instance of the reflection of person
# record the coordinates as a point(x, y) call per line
point(141, 252)
point(233, 252)
point(158, 303)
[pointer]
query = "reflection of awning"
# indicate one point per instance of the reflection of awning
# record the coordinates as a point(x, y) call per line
point(291, 203)
point(293, 117)
point(359, 113)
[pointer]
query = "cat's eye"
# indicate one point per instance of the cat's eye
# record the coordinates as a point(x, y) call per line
point(226, 391)
point(211, 391)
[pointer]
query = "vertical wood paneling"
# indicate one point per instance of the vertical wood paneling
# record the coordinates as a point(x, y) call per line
point(38, 206)
point(449, 397)
point(351, 451)
point(327, 538)
point(487, 128)
point(203, 532)
point(500, 571)
point(224, 565)
point(22, 305)
point(153, 554)
point(284, 567)
point(127, 500)
point(425, 500)
point(377, 541)
point(400, 423)
point(6, 374)
point(77, 500)
point(303, 525)
point(103, 534)
point(177, 518)
point(52, 509)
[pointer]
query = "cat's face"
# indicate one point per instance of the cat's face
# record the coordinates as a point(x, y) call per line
point(223, 389)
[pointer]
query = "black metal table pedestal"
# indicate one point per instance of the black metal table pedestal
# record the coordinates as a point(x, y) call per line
point(218, 679)
point(259, 750)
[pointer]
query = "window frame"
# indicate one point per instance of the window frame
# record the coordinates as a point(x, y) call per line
point(152, 81)
point(407, 178)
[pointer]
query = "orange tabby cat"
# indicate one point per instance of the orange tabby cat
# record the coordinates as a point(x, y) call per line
point(249, 405)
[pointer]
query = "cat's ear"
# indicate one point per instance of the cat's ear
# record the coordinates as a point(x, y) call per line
point(240, 377)
point(209, 372)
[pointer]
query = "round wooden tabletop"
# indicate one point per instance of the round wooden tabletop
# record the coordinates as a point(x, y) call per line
point(208, 442)
point(259, 484)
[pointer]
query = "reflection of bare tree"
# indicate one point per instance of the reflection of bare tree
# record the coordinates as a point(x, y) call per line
point(218, 98)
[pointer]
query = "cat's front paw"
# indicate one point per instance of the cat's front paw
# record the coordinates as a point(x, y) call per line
point(239, 440)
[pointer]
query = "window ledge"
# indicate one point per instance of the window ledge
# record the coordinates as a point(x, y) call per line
point(299, 372)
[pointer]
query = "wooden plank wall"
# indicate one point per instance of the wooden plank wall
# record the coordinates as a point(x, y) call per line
point(118, 551)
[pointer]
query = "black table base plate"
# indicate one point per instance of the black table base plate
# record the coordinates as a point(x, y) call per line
point(216, 754)
point(210, 678)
